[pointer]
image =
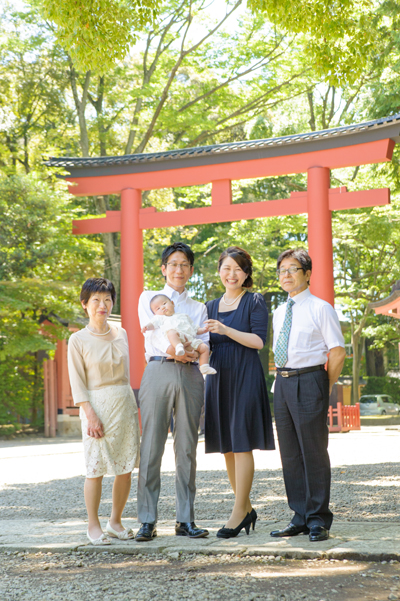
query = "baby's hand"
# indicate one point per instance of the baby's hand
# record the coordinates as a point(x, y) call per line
point(202, 330)
point(147, 328)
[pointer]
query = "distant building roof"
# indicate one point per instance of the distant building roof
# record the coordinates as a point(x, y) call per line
point(347, 135)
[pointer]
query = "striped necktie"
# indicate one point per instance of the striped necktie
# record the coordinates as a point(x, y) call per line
point(281, 354)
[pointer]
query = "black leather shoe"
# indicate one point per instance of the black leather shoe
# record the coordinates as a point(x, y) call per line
point(146, 532)
point(190, 529)
point(290, 530)
point(318, 533)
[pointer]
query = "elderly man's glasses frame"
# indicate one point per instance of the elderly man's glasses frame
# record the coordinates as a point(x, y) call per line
point(290, 270)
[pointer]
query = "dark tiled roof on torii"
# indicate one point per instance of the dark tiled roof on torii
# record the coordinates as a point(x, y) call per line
point(386, 301)
point(347, 135)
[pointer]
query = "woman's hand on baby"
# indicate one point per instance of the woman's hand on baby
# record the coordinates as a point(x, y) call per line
point(216, 327)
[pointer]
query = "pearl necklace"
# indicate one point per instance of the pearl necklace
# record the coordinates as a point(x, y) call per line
point(94, 333)
point(232, 303)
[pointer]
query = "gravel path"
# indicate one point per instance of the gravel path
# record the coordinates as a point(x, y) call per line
point(367, 492)
point(43, 480)
point(48, 577)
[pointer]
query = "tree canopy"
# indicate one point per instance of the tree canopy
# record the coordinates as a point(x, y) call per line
point(340, 37)
point(97, 33)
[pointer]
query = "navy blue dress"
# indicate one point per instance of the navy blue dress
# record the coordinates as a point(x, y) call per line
point(238, 416)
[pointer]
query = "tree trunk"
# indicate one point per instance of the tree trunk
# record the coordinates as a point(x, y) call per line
point(374, 360)
point(26, 153)
point(112, 261)
point(385, 361)
point(80, 105)
point(357, 341)
point(36, 384)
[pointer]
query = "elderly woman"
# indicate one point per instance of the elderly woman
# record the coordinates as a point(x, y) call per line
point(237, 414)
point(98, 365)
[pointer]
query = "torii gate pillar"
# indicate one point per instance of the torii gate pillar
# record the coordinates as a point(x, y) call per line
point(132, 279)
point(320, 233)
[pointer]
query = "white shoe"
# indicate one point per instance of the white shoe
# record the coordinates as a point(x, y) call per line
point(102, 540)
point(179, 350)
point(207, 370)
point(124, 535)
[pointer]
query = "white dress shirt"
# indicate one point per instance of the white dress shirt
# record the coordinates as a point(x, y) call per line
point(315, 330)
point(156, 343)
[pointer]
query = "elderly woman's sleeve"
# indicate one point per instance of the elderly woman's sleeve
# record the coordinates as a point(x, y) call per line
point(76, 371)
point(259, 316)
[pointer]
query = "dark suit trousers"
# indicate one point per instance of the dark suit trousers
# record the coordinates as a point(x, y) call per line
point(301, 407)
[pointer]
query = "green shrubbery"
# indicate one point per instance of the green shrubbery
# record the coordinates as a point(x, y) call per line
point(21, 391)
point(383, 385)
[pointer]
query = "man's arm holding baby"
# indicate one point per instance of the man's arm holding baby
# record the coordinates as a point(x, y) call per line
point(192, 355)
point(189, 356)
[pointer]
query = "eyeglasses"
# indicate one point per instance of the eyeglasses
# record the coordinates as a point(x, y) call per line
point(175, 266)
point(290, 270)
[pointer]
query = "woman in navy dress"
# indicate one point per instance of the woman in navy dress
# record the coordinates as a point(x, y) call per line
point(237, 416)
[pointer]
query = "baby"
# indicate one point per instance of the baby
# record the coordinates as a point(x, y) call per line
point(178, 328)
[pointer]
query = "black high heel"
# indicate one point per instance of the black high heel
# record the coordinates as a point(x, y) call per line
point(232, 532)
point(253, 515)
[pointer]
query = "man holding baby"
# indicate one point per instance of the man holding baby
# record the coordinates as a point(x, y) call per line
point(172, 383)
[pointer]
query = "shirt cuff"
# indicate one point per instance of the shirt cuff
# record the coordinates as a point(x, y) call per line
point(80, 397)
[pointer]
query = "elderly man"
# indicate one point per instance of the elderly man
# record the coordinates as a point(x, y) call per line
point(170, 384)
point(306, 331)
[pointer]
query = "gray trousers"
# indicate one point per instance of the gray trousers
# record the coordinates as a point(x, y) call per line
point(301, 406)
point(165, 388)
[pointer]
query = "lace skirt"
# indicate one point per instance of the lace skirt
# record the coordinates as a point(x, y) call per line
point(118, 451)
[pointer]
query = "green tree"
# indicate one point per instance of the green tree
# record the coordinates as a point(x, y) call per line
point(341, 37)
point(34, 112)
point(41, 269)
point(96, 33)
point(367, 257)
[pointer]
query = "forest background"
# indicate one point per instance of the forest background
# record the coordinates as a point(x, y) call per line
point(120, 77)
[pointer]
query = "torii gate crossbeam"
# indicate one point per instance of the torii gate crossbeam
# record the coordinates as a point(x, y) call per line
point(315, 153)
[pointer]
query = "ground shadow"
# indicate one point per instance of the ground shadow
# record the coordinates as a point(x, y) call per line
point(359, 493)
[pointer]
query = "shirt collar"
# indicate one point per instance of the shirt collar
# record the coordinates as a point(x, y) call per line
point(174, 294)
point(301, 297)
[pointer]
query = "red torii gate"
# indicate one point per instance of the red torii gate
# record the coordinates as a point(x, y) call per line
point(315, 153)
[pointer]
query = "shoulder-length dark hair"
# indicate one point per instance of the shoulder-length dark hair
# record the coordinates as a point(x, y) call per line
point(242, 258)
point(93, 285)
